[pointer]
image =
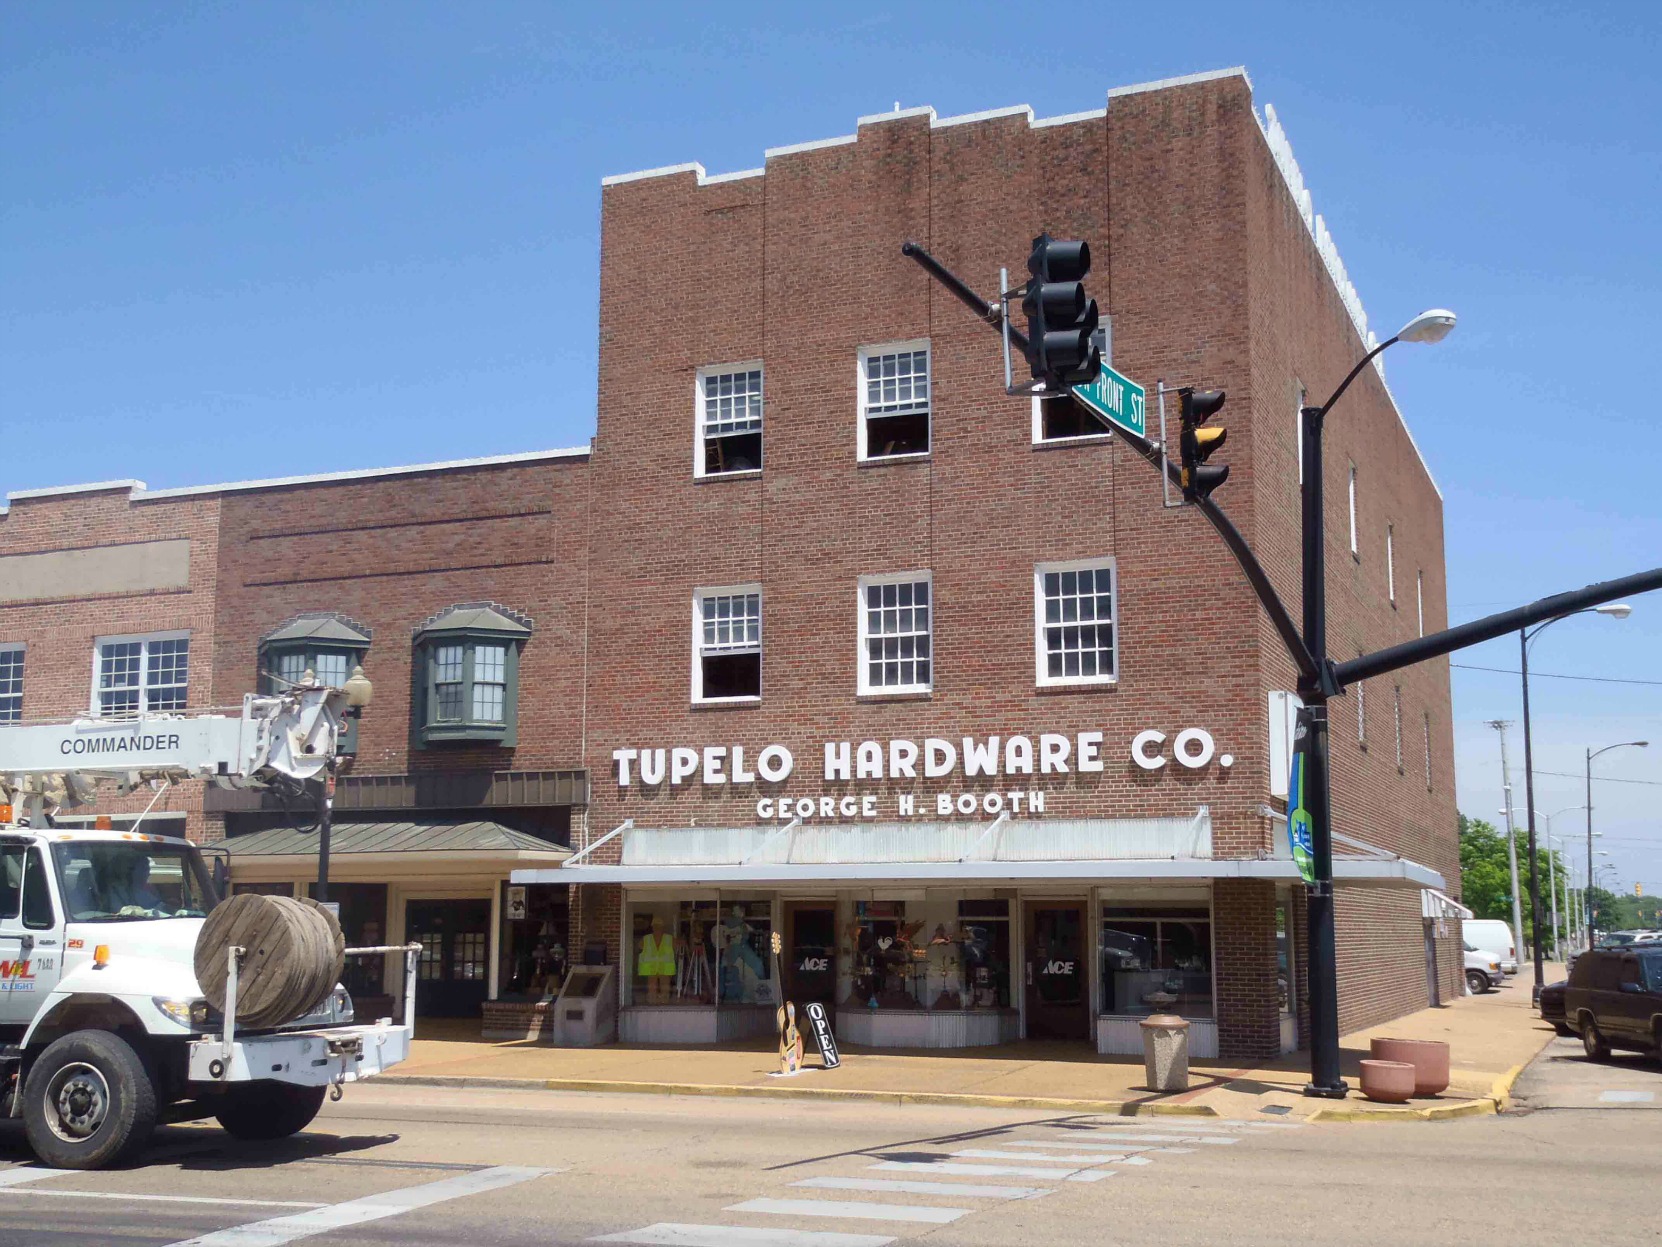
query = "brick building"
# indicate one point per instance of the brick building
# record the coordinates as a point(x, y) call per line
point(821, 528)
point(828, 637)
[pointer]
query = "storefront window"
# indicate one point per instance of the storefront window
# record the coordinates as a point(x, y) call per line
point(1283, 959)
point(946, 954)
point(1156, 961)
point(692, 952)
point(535, 920)
point(363, 920)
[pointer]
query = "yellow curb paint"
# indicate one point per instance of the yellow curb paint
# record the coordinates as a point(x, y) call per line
point(1501, 1092)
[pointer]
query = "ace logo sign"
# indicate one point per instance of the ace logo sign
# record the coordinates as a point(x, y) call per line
point(1058, 967)
point(811, 965)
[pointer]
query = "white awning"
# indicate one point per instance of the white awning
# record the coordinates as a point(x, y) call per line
point(1433, 904)
point(1004, 849)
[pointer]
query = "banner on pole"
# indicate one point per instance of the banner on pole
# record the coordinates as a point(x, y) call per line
point(1298, 818)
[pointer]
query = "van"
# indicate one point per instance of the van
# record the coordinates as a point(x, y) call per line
point(1496, 936)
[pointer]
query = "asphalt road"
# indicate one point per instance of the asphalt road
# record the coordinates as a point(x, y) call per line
point(423, 1167)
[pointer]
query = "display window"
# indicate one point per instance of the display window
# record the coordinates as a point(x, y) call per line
point(702, 952)
point(535, 922)
point(1157, 961)
point(932, 954)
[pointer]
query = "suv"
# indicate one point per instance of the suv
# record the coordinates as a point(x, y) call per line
point(1614, 1000)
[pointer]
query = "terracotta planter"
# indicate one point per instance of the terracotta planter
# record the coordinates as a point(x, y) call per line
point(1429, 1057)
point(1389, 1082)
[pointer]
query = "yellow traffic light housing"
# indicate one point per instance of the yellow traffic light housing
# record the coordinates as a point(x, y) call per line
point(1196, 444)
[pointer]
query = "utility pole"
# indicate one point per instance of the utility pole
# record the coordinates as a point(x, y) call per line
point(1500, 725)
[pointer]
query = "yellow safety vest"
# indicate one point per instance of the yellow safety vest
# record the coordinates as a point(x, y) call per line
point(657, 957)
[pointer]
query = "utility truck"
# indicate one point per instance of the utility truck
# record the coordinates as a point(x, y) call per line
point(105, 1029)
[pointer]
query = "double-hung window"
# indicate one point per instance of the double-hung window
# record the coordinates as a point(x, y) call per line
point(729, 415)
point(727, 644)
point(1397, 712)
point(140, 675)
point(1073, 617)
point(894, 400)
point(896, 654)
point(11, 683)
point(470, 657)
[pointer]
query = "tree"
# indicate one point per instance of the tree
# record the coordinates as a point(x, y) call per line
point(1486, 876)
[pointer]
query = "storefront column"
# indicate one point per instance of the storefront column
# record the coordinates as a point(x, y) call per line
point(1249, 1014)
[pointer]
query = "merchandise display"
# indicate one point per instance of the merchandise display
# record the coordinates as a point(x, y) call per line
point(963, 964)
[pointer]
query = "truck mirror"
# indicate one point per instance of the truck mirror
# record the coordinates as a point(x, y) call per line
point(222, 877)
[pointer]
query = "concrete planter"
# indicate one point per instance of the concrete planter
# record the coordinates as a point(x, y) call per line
point(1429, 1057)
point(1389, 1082)
point(1166, 1052)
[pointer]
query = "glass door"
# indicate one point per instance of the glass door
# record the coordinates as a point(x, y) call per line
point(811, 949)
point(454, 958)
point(1057, 998)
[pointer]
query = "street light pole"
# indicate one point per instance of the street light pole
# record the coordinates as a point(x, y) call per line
point(1591, 754)
point(1500, 725)
point(1322, 981)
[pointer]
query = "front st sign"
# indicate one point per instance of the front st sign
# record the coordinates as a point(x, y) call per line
point(1117, 399)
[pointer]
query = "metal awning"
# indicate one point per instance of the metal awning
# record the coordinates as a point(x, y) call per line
point(435, 840)
point(1433, 904)
point(1005, 849)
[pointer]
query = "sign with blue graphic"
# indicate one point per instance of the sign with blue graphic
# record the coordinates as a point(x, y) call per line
point(1298, 818)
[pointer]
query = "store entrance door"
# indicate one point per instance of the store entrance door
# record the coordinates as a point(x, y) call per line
point(1057, 996)
point(811, 952)
point(455, 943)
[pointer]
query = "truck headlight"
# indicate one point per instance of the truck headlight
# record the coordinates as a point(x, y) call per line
point(193, 1013)
point(343, 1010)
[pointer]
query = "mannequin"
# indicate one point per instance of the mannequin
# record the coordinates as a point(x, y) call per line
point(732, 937)
point(657, 963)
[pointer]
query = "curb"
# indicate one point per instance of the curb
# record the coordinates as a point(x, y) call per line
point(1498, 1100)
point(1118, 1108)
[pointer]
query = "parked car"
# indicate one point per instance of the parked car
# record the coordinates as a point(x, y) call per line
point(1614, 1000)
point(1482, 971)
point(1492, 933)
point(1552, 1007)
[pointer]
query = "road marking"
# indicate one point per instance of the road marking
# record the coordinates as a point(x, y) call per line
point(966, 1190)
point(30, 1173)
point(968, 1170)
point(992, 1153)
point(1627, 1097)
point(1145, 1124)
point(1177, 1138)
point(280, 1230)
point(672, 1234)
point(851, 1208)
point(1274, 1125)
point(174, 1199)
point(1118, 1149)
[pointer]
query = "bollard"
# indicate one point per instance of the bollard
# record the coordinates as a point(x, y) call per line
point(1166, 1052)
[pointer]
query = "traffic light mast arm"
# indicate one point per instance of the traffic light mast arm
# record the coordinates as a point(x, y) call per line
point(991, 314)
point(1491, 626)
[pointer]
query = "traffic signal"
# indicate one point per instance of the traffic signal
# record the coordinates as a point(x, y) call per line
point(1197, 444)
point(1638, 889)
point(1061, 318)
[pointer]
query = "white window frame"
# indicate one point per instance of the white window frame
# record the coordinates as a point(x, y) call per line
point(1362, 713)
point(866, 688)
point(22, 651)
point(144, 639)
point(1354, 548)
point(893, 348)
point(1042, 677)
point(698, 598)
point(1391, 563)
point(1398, 712)
point(1419, 598)
point(1426, 719)
point(1039, 438)
point(1298, 428)
point(699, 422)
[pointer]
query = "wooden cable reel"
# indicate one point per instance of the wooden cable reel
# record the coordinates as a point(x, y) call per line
point(295, 954)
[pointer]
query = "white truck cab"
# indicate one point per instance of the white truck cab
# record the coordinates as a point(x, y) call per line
point(104, 1030)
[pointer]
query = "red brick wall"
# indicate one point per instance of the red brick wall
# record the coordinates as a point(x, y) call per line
point(59, 629)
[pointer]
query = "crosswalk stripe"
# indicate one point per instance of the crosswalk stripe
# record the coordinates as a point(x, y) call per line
point(30, 1173)
point(851, 1208)
point(993, 1153)
point(963, 1190)
point(1274, 1125)
point(1144, 1123)
point(1084, 1145)
point(676, 1234)
point(1177, 1138)
point(967, 1169)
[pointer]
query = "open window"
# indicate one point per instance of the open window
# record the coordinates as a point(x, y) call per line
point(729, 415)
point(894, 400)
point(727, 644)
point(467, 687)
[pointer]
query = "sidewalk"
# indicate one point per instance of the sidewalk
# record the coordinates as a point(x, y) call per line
point(1490, 1038)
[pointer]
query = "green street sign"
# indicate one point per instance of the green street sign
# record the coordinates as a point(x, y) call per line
point(1117, 399)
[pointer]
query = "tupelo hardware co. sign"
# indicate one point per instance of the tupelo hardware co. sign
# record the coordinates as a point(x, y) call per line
point(934, 757)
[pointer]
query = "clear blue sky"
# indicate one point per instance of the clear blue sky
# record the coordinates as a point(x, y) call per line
point(249, 240)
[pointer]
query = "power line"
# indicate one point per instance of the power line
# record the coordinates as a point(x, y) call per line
point(1601, 779)
point(1553, 675)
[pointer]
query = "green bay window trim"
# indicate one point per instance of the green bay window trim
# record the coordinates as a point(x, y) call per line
point(467, 675)
point(327, 644)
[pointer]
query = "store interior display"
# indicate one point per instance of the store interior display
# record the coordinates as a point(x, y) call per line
point(691, 952)
point(1155, 961)
point(962, 963)
point(534, 956)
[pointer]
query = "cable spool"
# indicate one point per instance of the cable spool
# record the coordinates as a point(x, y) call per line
point(295, 954)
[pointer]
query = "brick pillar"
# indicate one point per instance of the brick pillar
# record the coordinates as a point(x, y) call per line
point(596, 913)
point(1243, 917)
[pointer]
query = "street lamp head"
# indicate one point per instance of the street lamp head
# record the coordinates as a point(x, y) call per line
point(1616, 610)
point(358, 689)
point(1432, 326)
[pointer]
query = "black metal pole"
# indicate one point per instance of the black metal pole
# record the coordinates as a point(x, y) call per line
point(1529, 802)
point(1323, 981)
point(325, 809)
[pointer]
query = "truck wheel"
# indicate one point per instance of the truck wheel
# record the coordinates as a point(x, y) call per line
point(88, 1101)
point(1593, 1041)
point(1477, 982)
point(269, 1110)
